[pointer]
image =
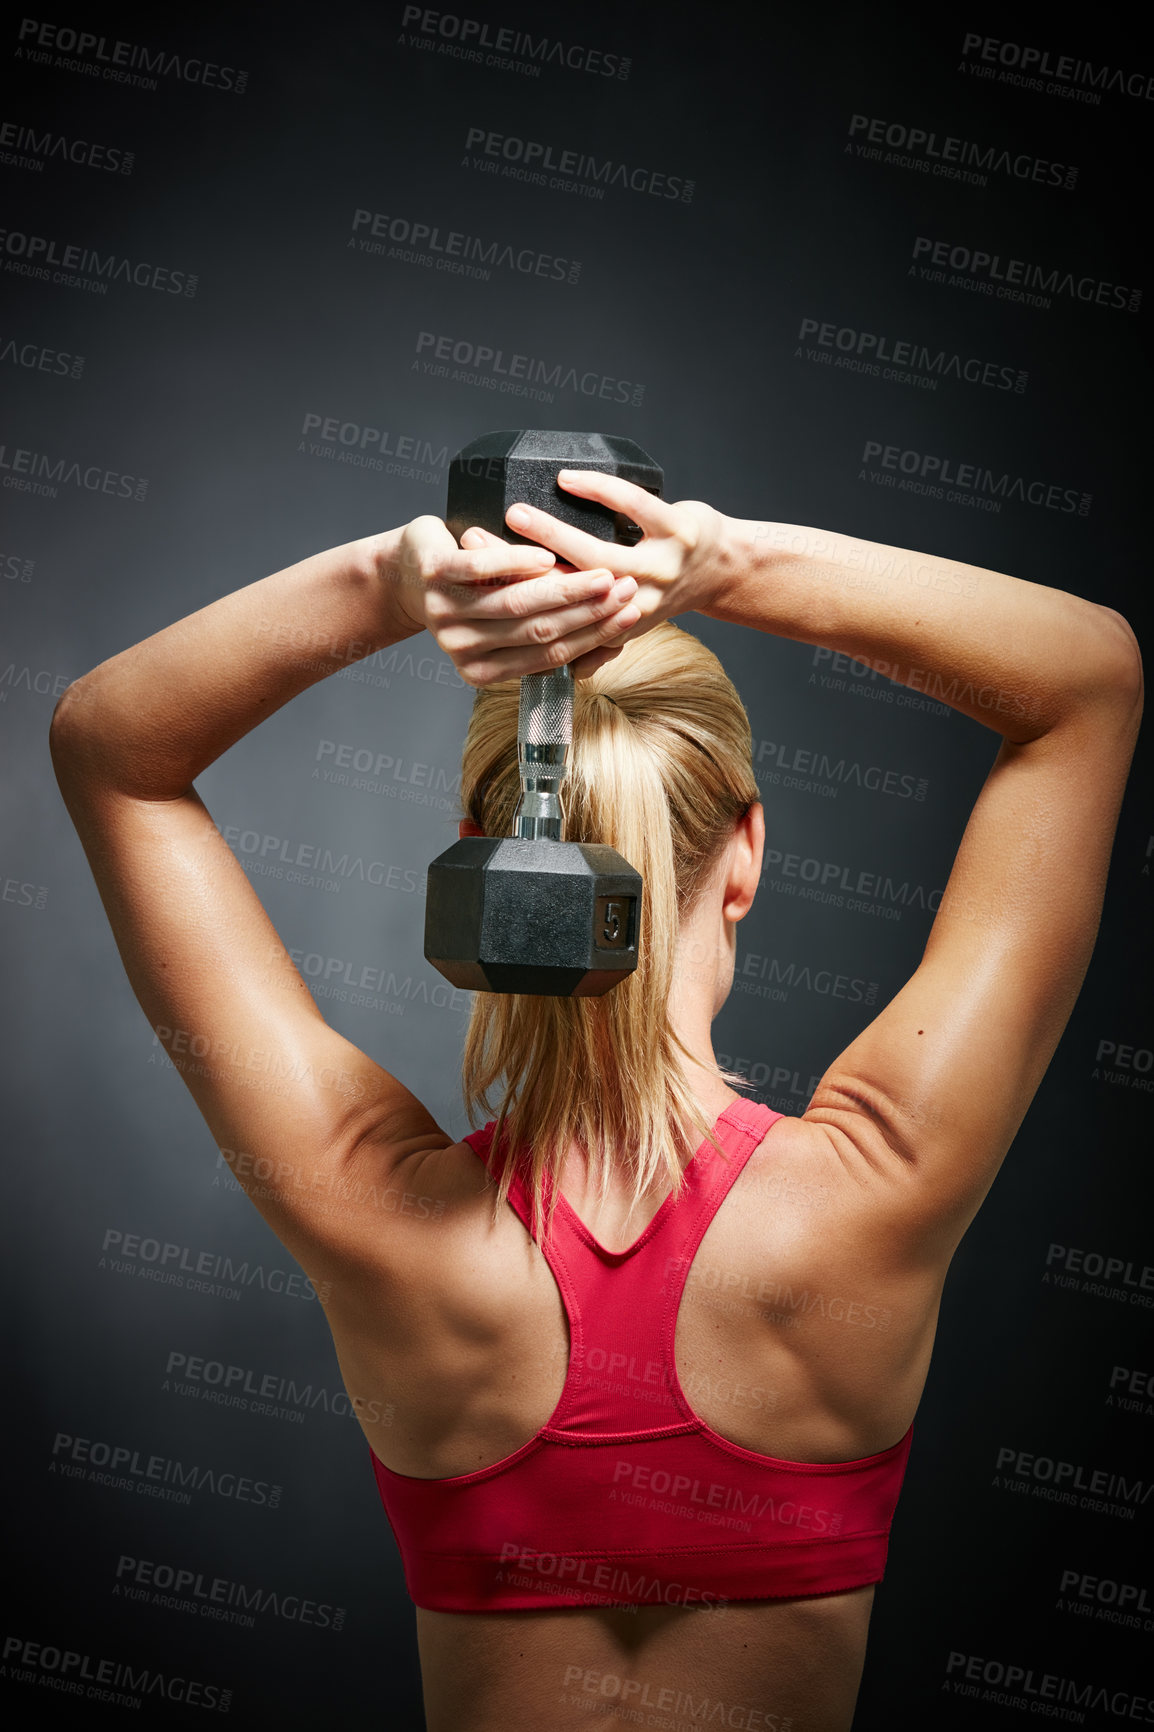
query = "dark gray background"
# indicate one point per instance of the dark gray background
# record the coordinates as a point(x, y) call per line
point(701, 302)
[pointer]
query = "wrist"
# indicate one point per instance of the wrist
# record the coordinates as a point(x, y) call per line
point(741, 547)
point(401, 589)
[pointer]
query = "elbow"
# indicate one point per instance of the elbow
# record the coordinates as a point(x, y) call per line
point(1118, 675)
point(68, 739)
point(62, 727)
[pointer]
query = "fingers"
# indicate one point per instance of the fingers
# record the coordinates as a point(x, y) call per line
point(507, 626)
point(496, 558)
point(561, 590)
point(507, 664)
point(450, 605)
point(584, 667)
point(653, 515)
point(570, 543)
point(478, 537)
point(483, 653)
point(501, 626)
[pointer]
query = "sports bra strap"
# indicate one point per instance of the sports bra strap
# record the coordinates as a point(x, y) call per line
point(622, 1305)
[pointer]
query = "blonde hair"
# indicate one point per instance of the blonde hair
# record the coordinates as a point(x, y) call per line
point(661, 769)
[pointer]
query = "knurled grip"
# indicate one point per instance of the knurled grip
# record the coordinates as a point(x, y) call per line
point(545, 717)
point(544, 736)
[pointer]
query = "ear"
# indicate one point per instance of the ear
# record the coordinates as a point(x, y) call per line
point(745, 863)
point(466, 827)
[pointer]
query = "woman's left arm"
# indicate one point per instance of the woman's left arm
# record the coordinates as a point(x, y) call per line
point(282, 1093)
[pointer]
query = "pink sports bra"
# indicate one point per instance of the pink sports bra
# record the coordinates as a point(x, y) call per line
point(625, 1496)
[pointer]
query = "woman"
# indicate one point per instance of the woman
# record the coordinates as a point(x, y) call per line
point(592, 1572)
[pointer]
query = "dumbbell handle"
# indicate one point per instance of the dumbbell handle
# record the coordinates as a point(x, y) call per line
point(544, 735)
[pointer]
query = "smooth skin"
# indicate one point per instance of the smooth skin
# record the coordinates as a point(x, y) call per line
point(449, 1330)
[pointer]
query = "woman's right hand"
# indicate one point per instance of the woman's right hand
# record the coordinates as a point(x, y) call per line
point(674, 564)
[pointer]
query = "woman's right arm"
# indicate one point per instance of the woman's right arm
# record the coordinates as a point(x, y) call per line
point(1017, 656)
point(930, 1095)
point(934, 1089)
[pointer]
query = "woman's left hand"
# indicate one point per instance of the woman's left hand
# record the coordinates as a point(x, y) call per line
point(556, 614)
point(422, 560)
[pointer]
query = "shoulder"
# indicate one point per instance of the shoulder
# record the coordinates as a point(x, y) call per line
point(431, 1184)
point(441, 1259)
point(793, 1160)
point(820, 1180)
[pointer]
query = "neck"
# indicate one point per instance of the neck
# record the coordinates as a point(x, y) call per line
point(703, 978)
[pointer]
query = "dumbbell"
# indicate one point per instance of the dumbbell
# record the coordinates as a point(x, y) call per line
point(530, 912)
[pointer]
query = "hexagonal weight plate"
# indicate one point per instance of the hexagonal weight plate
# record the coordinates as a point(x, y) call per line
point(500, 469)
point(558, 919)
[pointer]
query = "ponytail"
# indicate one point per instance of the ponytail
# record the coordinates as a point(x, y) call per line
point(661, 769)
